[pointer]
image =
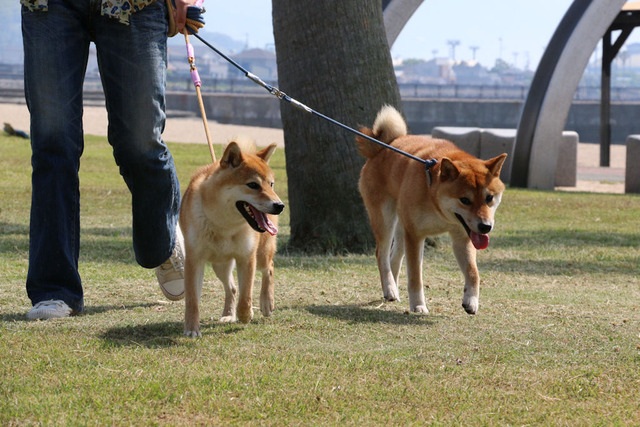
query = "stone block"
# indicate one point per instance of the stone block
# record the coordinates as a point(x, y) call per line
point(489, 143)
point(466, 138)
point(632, 169)
point(567, 168)
point(494, 142)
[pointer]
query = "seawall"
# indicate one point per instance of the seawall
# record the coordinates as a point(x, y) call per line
point(422, 114)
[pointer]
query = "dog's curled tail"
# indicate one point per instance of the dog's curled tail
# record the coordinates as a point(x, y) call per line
point(246, 143)
point(389, 125)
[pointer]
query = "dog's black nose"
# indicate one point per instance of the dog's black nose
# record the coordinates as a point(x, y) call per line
point(278, 207)
point(484, 228)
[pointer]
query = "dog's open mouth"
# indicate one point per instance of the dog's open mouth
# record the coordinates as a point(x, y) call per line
point(258, 220)
point(480, 241)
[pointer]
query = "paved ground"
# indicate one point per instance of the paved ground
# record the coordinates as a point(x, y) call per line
point(177, 129)
point(191, 129)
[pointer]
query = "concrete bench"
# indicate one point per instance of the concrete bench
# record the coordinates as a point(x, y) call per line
point(632, 170)
point(488, 143)
point(494, 142)
point(467, 139)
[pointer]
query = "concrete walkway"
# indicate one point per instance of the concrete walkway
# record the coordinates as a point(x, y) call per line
point(178, 128)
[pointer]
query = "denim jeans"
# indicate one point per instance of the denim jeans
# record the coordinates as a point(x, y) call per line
point(132, 61)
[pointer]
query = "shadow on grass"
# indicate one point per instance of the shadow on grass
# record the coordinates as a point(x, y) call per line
point(625, 265)
point(98, 244)
point(88, 311)
point(311, 262)
point(149, 335)
point(99, 309)
point(159, 335)
point(569, 252)
point(14, 317)
point(369, 313)
point(567, 238)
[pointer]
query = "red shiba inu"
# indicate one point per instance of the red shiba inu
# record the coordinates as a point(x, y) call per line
point(404, 207)
point(228, 218)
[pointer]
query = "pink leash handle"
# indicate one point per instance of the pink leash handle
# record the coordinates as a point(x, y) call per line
point(196, 78)
point(192, 62)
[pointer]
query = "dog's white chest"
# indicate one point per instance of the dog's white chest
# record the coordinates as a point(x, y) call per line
point(221, 246)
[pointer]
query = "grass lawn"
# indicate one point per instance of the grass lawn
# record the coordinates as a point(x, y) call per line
point(556, 340)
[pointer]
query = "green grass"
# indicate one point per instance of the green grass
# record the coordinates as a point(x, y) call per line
point(556, 340)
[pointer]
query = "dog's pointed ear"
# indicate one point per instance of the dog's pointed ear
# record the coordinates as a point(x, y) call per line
point(495, 165)
point(448, 170)
point(232, 156)
point(265, 153)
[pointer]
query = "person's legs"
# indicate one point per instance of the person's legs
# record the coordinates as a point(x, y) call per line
point(56, 46)
point(132, 61)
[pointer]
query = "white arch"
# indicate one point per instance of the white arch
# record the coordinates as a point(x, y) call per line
point(396, 15)
point(541, 149)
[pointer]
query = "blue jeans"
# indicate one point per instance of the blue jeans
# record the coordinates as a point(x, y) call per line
point(132, 61)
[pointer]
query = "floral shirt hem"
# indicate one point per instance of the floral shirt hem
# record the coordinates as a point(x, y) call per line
point(117, 9)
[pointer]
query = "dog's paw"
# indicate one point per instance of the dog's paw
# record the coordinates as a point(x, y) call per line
point(228, 319)
point(245, 315)
point(194, 333)
point(470, 305)
point(266, 308)
point(421, 309)
point(391, 295)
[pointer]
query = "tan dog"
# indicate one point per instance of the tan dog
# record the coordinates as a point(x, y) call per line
point(225, 212)
point(404, 208)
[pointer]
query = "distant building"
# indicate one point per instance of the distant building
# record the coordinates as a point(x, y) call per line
point(434, 71)
point(260, 62)
point(633, 55)
point(209, 64)
point(11, 69)
point(472, 73)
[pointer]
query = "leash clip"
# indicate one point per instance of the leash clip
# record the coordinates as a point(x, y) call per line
point(428, 165)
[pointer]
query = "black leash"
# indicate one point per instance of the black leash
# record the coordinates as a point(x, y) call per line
point(429, 163)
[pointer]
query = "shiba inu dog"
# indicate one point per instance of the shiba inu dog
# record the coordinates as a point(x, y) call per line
point(405, 205)
point(228, 218)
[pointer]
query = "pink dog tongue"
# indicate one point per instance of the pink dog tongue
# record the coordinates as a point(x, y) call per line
point(480, 241)
point(264, 221)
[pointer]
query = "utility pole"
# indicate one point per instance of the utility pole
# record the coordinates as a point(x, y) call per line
point(453, 44)
point(473, 51)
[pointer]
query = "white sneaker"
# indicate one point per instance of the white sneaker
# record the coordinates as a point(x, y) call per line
point(49, 310)
point(171, 273)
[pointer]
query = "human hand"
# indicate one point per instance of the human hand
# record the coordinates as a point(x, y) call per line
point(180, 13)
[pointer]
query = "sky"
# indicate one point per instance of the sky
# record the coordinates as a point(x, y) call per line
point(516, 31)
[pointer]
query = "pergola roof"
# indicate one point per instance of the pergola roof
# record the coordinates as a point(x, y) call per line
point(628, 18)
point(631, 6)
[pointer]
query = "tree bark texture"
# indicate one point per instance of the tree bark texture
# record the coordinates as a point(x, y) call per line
point(332, 56)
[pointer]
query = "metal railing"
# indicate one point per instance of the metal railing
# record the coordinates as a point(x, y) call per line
point(11, 86)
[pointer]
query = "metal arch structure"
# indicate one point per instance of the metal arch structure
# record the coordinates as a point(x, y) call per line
point(546, 108)
point(625, 22)
point(396, 15)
